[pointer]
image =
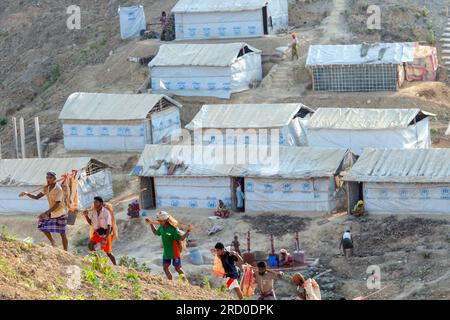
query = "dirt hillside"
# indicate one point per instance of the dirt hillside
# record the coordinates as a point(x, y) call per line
point(39, 271)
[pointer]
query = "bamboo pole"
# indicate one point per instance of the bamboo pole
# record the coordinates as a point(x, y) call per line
point(38, 136)
point(16, 140)
point(22, 137)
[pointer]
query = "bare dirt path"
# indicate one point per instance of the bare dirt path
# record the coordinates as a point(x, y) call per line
point(334, 26)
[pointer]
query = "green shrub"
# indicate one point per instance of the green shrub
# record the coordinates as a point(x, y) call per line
point(3, 121)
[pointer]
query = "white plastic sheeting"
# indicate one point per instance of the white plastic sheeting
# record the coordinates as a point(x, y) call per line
point(217, 6)
point(111, 106)
point(246, 115)
point(363, 118)
point(132, 21)
point(17, 176)
point(394, 53)
point(289, 162)
point(190, 192)
point(312, 195)
point(398, 198)
point(165, 124)
point(206, 55)
point(204, 70)
point(228, 19)
point(359, 130)
point(402, 166)
point(106, 137)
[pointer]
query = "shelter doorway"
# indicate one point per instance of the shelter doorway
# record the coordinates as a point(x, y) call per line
point(354, 194)
point(147, 197)
point(265, 20)
point(236, 198)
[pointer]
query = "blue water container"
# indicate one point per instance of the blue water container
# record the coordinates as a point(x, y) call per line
point(196, 257)
point(273, 261)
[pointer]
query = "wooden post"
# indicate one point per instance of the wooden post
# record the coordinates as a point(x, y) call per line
point(22, 136)
point(16, 140)
point(38, 136)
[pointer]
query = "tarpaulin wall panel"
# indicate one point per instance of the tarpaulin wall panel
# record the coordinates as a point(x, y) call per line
point(208, 81)
point(397, 198)
point(192, 192)
point(132, 21)
point(414, 136)
point(213, 25)
point(164, 124)
point(104, 137)
point(269, 194)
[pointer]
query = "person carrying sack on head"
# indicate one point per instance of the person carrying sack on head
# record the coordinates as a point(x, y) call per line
point(54, 220)
point(172, 240)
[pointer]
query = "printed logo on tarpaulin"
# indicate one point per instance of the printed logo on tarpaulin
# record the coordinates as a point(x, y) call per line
point(206, 32)
point(181, 85)
point(222, 31)
point(175, 203)
point(445, 193)
point(196, 85)
point(249, 187)
point(193, 203)
point(227, 201)
point(212, 203)
point(268, 188)
point(237, 30)
point(158, 202)
point(192, 32)
point(424, 194)
point(287, 187)
point(403, 193)
point(227, 86)
point(306, 186)
point(384, 193)
point(211, 85)
point(73, 131)
point(252, 30)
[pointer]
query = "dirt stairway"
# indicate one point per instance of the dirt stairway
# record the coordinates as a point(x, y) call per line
point(281, 76)
point(445, 48)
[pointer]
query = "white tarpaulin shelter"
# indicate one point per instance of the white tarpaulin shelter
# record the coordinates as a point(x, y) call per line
point(252, 123)
point(18, 175)
point(402, 181)
point(359, 67)
point(359, 128)
point(292, 179)
point(214, 19)
point(132, 21)
point(118, 122)
point(216, 70)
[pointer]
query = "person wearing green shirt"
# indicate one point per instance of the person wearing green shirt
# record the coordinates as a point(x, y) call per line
point(171, 239)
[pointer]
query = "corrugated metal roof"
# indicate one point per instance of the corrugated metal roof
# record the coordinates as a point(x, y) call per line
point(380, 53)
point(217, 5)
point(402, 166)
point(292, 162)
point(209, 55)
point(245, 115)
point(32, 172)
point(110, 106)
point(362, 118)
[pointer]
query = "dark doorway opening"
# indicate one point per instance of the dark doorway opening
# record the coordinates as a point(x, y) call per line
point(147, 197)
point(265, 20)
point(354, 194)
point(235, 182)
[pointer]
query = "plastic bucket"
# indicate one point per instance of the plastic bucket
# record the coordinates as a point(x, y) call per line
point(196, 257)
point(71, 218)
